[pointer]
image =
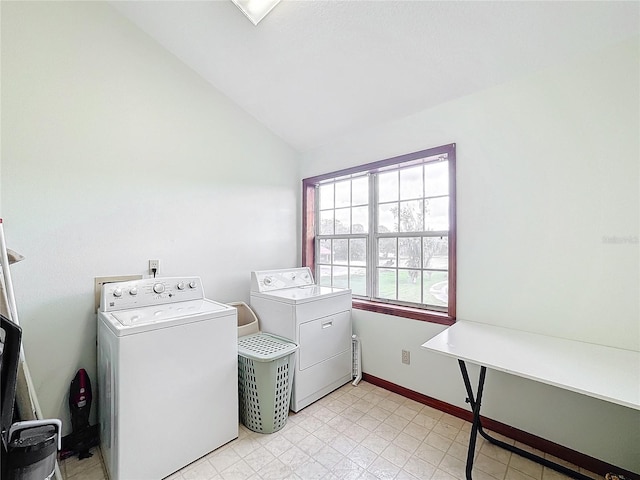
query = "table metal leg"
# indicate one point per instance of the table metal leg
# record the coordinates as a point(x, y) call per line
point(476, 427)
point(475, 408)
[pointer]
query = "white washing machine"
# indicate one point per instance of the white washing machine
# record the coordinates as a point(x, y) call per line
point(167, 376)
point(317, 318)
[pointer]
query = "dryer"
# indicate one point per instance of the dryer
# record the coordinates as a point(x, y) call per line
point(288, 303)
point(167, 376)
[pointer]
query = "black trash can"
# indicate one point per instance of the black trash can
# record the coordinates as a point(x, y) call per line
point(28, 449)
point(32, 449)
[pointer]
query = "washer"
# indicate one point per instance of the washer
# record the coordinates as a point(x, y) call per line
point(288, 303)
point(167, 376)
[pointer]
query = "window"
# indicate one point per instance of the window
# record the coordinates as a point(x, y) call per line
point(387, 231)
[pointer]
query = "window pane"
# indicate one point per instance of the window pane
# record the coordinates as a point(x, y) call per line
point(411, 219)
point(360, 191)
point(341, 277)
point(326, 222)
point(411, 183)
point(340, 251)
point(384, 232)
point(388, 186)
point(410, 254)
point(343, 220)
point(436, 252)
point(326, 196)
point(358, 280)
point(386, 283)
point(343, 194)
point(436, 288)
point(409, 287)
point(360, 220)
point(324, 252)
point(358, 251)
point(388, 217)
point(387, 252)
point(436, 179)
point(436, 214)
point(325, 276)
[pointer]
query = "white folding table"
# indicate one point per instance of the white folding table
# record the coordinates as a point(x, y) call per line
point(607, 373)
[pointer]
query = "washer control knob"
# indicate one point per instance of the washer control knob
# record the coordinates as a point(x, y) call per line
point(267, 281)
point(117, 292)
point(158, 288)
point(133, 291)
point(192, 284)
point(180, 286)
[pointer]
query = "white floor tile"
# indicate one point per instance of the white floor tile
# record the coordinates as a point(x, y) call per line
point(354, 433)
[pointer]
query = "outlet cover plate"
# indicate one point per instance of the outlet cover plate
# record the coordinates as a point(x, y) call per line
point(99, 281)
point(406, 357)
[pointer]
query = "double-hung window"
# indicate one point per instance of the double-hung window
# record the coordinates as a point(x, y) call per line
point(386, 230)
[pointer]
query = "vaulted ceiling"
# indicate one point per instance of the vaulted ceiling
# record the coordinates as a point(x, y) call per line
point(315, 70)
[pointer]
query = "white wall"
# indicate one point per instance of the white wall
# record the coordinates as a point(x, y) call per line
point(547, 173)
point(114, 153)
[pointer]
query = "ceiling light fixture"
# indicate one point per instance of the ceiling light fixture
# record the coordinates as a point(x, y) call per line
point(256, 10)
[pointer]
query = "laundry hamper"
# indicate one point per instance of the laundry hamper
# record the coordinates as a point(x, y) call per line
point(266, 364)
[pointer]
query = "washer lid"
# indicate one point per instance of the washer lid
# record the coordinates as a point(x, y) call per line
point(125, 322)
point(303, 294)
point(165, 313)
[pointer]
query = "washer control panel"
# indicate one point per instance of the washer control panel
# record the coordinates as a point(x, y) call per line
point(268, 280)
point(149, 291)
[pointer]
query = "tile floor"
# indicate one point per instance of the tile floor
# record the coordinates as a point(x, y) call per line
point(362, 432)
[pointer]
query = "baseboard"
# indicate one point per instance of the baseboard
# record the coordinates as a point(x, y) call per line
point(576, 458)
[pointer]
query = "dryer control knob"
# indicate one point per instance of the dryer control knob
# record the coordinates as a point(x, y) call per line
point(180, 286)
point(117, 292)
point(133, 291)
point(192, 284)
point(158, 288)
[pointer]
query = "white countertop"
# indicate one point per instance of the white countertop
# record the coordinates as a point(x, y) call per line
point(607, 373)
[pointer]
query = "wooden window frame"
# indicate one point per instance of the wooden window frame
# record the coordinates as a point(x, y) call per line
point(308, 233)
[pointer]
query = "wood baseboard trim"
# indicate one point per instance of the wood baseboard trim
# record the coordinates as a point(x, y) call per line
point(576, 458)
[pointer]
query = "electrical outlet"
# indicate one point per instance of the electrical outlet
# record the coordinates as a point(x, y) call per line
point(99, 281)
point(154, 267)
point(406, 357)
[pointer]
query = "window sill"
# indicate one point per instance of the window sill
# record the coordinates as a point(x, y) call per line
point(406, 312)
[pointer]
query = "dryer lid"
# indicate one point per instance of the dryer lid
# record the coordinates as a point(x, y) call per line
point(303, 294)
